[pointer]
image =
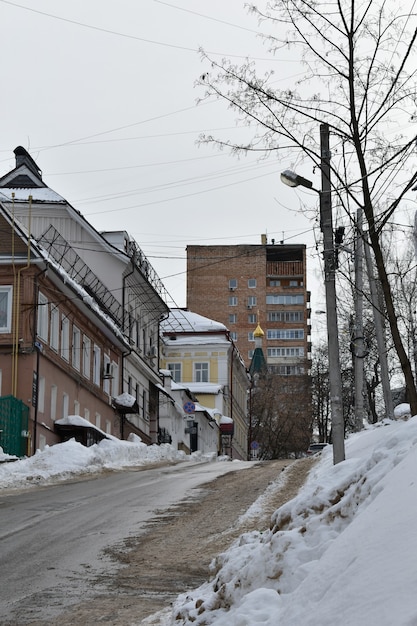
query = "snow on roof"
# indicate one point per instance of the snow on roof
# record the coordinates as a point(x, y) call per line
point(225, 420)
point(209, 388)
point(125, 399)
point(39, 194)
point(77, 420)
point(183, 340)
point(182, 321)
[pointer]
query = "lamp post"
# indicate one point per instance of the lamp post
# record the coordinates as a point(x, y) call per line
point(326, 224)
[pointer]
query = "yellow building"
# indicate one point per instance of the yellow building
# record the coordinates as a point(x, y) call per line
point(201, 356)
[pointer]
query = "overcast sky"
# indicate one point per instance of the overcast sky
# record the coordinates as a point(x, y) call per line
point(102, 94)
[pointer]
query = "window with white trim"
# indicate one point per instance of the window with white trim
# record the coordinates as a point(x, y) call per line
point(42, 324)
point(232, 300)
point(96, 365)
point(201, 372)
point(65, 405)
point(285, 316)
point(288, 334)
point(86, 356)
point(6, 294)
point(233, 283)
point(65, 338)
point(175, 369)
point(76, 348)
point(106, 368)
point(284, 299)
point(251, 283)
point(54, 328)
point(54, 395)
point(232, 318)
point(285, 352)
point(252, 301)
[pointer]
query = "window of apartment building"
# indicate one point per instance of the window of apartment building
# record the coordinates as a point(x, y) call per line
point(54, 396)
point(251, 283)
point(76, 407)
point(286, 370)
point(145, 414)
point(41, 394)
point(285, 316)
point(87, 414)
point(233, 336)
point(98, 420)
point(250, 336)
point(285, 352)
point(290, 333)
point(115, 379)
point(96, 365)
point(42, 324)
point(201, 372)
point(54, 329)
point(274, 283)
point(284, 299)
point(232, 318)
point(108, 427)
point(296, 283)
point(86, 356)
point(106, 368)
point(65, 338)
point(233, 283)
point(65, 405)
point(250, 354)
point(232, 300)
point(76, 348)
point(252, 318)
point(175, 369)
point(252, 301)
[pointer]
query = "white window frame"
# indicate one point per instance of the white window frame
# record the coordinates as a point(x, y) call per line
point(76, 347)
point(96, 365)
point(201, 371)
point(86, 356)
point(176, 371)
point(6, 292)
point(54, 396)
point(54, 328)
point(252, 283)
point(232, 300)
point(65, 405)
point(42, 321)
point(65, 344)
point(106, 381)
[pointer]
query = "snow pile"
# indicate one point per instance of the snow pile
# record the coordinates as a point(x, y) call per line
point(69, 459)
point(345, 546)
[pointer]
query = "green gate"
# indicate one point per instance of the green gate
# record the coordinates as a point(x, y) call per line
point(14, 419)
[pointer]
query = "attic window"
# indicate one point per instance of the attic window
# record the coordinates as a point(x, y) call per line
point(173, 337)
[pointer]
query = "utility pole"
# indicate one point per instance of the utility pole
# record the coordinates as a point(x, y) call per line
point(358, 343)
point(326, 223)
point(380, 338)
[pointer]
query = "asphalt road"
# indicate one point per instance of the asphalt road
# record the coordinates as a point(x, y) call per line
point(52, 539)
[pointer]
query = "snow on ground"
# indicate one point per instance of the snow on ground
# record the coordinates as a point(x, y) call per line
point(344, 551)
point(64, 460)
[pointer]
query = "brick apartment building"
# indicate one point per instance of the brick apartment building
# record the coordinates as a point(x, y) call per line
point(245, 285)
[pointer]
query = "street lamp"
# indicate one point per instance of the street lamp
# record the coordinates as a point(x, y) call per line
point(326, 223)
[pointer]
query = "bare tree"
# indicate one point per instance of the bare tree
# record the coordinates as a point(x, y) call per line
point(281, 414)
point(360, 79)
